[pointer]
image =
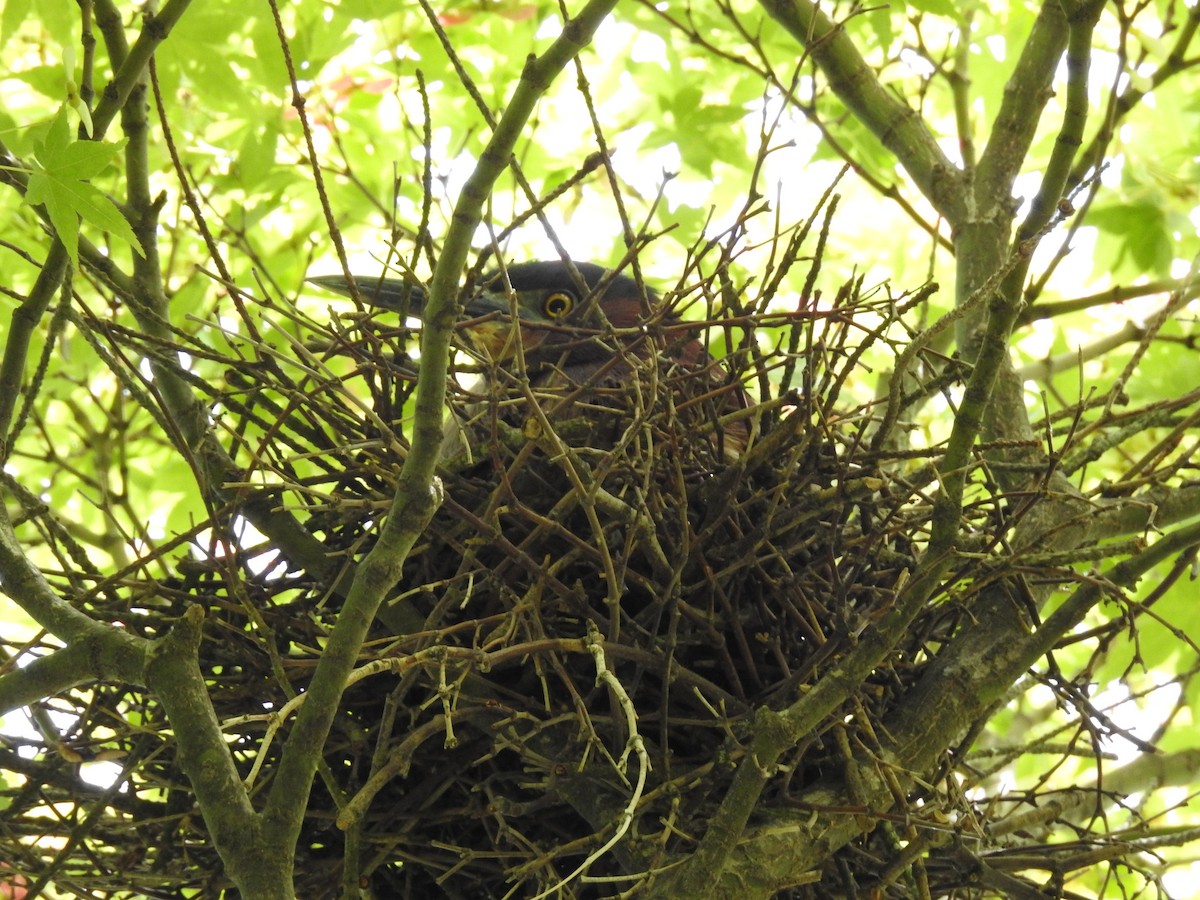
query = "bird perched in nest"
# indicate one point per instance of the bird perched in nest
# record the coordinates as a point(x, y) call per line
point(583, 336)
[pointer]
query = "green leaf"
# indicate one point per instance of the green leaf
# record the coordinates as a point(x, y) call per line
point(880, 20)
point(15, 12)
point(55, 16)
point(1143, 243)
point(64, 219)
point(62, 187)
point(46, 80)
point(938, 8)
point(256, 158)
point(67, 158)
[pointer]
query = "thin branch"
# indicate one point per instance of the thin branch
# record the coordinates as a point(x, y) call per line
point(1116, 294)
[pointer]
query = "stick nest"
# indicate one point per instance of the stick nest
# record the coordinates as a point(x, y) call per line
point(567, 672)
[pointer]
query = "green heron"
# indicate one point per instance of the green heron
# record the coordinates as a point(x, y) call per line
point(581, 336)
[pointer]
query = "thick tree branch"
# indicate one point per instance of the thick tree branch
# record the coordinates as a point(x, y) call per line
point(25, 584)
point(1025, 96)
point(899, 127)
point(1081, 24)
point(132, 69)
point(73, 665)
point(174, 675)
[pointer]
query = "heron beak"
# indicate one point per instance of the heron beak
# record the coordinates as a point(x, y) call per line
point(386, 293)
point(487, 303)
point(489, 313)
point(492, 336)
point(403, 296)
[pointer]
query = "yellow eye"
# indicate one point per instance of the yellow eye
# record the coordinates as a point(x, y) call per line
point(557, 305)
